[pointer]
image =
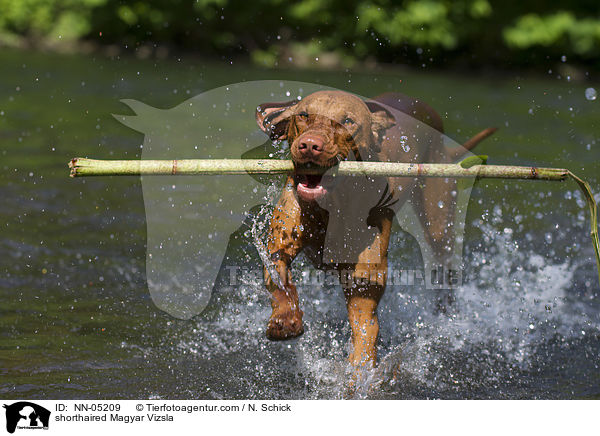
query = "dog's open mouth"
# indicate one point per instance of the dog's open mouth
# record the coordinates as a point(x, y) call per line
point(311, 187)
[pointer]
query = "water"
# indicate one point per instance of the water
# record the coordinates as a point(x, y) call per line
point(77, 321)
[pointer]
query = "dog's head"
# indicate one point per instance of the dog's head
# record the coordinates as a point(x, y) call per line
point(324, 129)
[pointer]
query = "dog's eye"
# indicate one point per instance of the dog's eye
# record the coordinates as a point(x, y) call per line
point(303, 115)
point(348, 121)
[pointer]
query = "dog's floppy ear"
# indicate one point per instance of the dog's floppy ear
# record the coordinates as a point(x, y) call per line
point(274, 118)
point(381, 120)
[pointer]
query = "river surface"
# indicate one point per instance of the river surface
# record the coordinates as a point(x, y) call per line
point(77, 319)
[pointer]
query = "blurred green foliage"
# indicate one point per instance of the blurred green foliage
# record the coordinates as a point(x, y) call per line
point(581, 36)
point(336, 31)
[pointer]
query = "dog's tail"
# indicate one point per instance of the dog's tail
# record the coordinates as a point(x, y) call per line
point(457, 152)
point(479, 137)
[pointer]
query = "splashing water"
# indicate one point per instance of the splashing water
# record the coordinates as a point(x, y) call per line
point(511, 309)
point(404, 143)
point(257, 227)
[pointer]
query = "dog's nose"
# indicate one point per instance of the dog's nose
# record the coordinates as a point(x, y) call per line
point(311, 146)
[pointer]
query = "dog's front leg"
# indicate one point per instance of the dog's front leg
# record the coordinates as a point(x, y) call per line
point(284, 243)
point(364, 285)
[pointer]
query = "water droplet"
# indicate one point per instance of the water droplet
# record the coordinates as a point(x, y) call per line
point(548, 238)
point(441, 204)
point(591, 94)
point(404, 144)
point(563, 58)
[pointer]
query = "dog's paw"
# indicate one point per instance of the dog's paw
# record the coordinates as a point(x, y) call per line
point(285, 326)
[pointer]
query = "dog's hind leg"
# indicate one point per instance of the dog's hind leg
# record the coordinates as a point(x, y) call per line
point(438, 207)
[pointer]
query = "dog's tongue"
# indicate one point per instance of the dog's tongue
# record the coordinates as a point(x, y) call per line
point(310, 188)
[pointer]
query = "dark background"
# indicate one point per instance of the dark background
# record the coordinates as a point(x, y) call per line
point(421, 33)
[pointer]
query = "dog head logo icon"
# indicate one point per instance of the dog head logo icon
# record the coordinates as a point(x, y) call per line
point(25, 414)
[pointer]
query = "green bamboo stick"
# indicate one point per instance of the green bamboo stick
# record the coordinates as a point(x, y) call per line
point(92, 167)
point(589, 197)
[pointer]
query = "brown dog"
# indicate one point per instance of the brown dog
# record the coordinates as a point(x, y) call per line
point(323, 129)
